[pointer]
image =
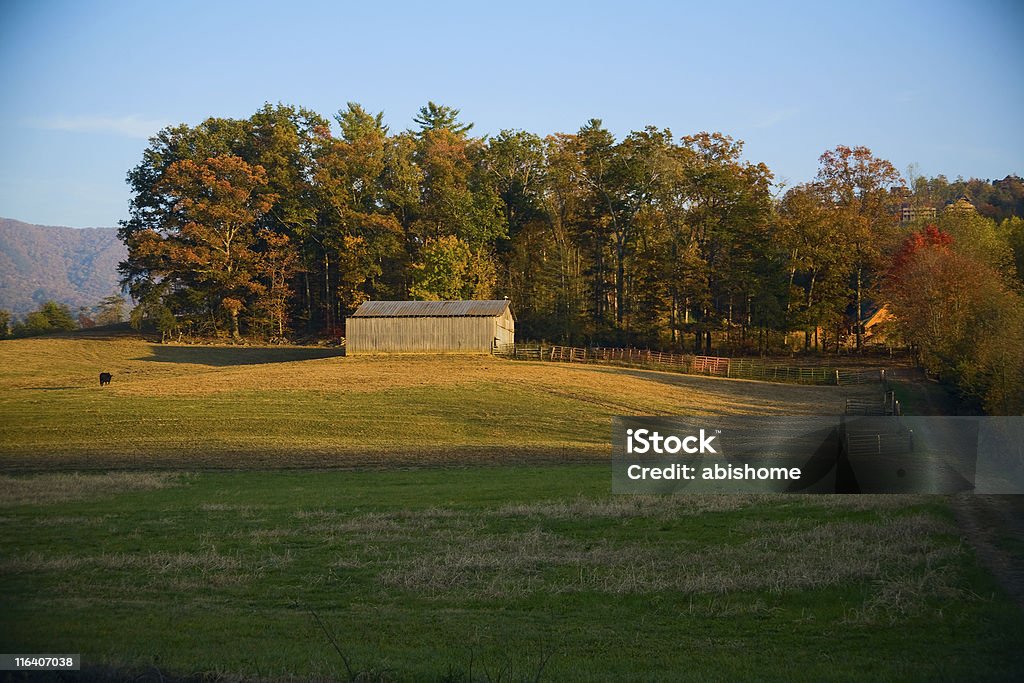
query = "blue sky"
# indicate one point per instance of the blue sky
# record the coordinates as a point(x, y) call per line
point(937, 84)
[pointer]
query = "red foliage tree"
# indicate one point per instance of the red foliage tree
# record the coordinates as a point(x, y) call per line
point(930, 236)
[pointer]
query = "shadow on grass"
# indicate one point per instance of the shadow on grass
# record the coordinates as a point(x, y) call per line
point(221, 356)
point(919, 396)
point(667, 376)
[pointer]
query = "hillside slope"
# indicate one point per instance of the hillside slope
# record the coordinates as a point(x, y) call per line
point(189, 406)
point(74, 266)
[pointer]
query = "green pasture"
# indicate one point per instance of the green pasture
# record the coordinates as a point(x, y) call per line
point(490, 573)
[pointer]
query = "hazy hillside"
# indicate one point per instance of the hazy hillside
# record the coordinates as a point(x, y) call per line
point(70, 265)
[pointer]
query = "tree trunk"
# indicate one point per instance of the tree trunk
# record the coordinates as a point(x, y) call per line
point(328, 322)
point(860, 309)
point(672, 317)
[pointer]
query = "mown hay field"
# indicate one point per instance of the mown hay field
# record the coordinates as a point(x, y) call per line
point(204, 406)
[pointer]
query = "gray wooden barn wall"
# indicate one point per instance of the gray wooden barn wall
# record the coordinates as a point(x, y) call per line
point(426, 335)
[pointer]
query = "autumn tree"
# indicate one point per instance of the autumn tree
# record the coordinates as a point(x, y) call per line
point(962, 315)
point(859, 188)
point(450, 270)
point(817, 261)
point(360, 240)
point(457, 197)
point(594, 172)
point(275, 264)
point(203, 251)
point(725, 207)
point(515, 164)
point(285, 141)
point(154, 217)
point(557, 283)
point(977, 237)
point(640, 163)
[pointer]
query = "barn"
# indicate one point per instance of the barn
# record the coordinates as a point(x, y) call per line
point(429, 327)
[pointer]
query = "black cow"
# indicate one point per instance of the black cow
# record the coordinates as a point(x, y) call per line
point(104, 378)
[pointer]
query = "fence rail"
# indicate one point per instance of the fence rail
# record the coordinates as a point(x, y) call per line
point(739, 368)
point(875, 443)
point(887, 405)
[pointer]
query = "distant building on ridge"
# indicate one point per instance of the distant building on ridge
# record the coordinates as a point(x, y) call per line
point(961, 205)
point(909, 213)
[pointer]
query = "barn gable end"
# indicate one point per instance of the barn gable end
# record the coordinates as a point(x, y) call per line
point(429, 327)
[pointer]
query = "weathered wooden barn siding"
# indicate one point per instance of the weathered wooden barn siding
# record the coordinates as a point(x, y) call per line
point(411, 335)
point(429, 326)
point(505, 328)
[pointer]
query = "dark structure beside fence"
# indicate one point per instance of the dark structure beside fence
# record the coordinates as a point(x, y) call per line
point(738, 368)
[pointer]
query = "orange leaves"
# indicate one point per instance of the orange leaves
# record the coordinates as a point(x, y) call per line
point(931, 236)
point(223, 188)
point(232, 305)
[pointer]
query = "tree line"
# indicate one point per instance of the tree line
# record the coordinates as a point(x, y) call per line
point(52, 316)
point(281, 224)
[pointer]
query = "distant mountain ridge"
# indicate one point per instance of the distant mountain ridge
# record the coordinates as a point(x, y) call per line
point(74, 266)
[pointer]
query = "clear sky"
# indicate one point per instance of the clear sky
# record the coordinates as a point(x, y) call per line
point(83, 84)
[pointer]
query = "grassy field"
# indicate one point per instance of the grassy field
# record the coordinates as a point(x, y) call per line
point(445, 519)
point(195, 406)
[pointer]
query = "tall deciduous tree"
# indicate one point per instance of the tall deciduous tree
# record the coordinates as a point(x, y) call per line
point(204, 248)
point(359, 238)
point(515, 164)
point(726, 210)
point(817, 261)
point(860, 188)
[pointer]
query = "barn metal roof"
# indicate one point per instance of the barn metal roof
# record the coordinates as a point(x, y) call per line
point(430, 309)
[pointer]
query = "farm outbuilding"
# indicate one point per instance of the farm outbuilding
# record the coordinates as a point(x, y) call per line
point(429, 327)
